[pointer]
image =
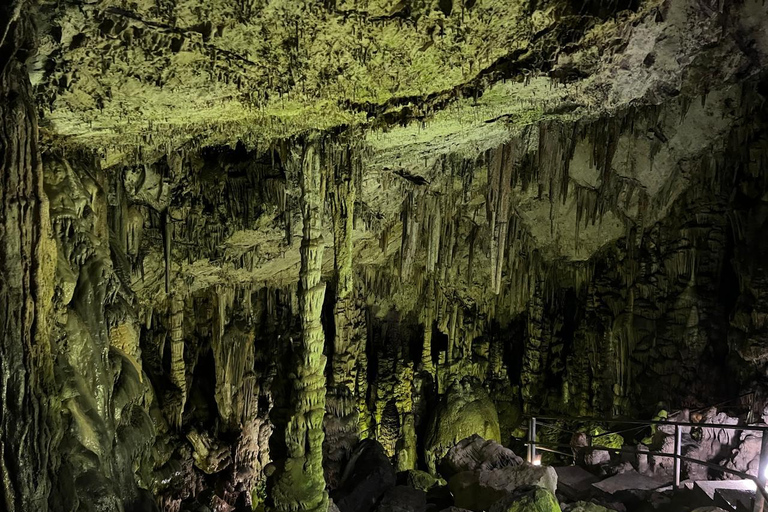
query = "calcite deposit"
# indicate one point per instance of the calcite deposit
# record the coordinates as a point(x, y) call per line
point(299, 255)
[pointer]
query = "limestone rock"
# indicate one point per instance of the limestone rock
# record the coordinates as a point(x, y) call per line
point(403, 499)
point(535, 499)
point(466, 410)
point(368, 475)
point(478, 490)
point(746, 456)
point(420, 480)
point(475, 453)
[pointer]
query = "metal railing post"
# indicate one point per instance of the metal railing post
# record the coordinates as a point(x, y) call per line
point(532, 440)
point(761, 473)
point(678, 443)
point(761, 480)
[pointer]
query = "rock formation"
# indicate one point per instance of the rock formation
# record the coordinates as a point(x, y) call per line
point(300, 484)
point(472, 210)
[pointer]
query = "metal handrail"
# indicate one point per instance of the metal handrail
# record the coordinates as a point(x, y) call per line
point(757, 428)
point(712, 465)
point(760, 480)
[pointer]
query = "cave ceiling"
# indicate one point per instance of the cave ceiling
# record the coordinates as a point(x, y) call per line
point(422, 87)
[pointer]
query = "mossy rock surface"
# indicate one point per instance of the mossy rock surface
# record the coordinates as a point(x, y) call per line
point(535, 499)
point(420, 480)
point(586, 506)
point(601, 437)
point(466, 410)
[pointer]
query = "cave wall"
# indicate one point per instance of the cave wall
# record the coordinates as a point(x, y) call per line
point(28, 434)
point(168, 321)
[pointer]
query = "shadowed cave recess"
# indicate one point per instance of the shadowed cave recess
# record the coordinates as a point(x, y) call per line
point(305, 255)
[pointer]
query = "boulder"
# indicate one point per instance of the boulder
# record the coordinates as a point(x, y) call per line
point(530, 499)
point(709, 444)
point(746, 457)
point(420, 480)
point(439, 497)
point(475, 453)
point(465, 410)
point(478, 490)
point(403, 499)
point(367, 476)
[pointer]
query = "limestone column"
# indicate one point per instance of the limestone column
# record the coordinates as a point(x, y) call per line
point(178, 370)
point(341, 427)
point(299, 484)
point(27, 263)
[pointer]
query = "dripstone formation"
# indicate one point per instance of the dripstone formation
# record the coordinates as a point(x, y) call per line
point(316, 255)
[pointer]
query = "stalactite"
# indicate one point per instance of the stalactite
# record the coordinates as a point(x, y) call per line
point(433, 228)
point(536, 349)
point(410, 235)
point(500, 172)
point(167, 246)
point(299, 484)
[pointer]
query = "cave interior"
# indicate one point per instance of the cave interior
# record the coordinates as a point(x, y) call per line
point(334, 255)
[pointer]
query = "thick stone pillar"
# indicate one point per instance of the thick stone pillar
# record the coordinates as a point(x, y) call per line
point(27, 263)
point(342, 420)
point(299, 483)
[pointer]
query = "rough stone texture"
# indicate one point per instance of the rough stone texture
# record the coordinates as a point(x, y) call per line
point(342, 428)
point(465, 411)
point(300, 483)
point(28, 258)
point(475, 453)
point(420, 480)
point(478, 490)
point(534, 499)
point(564, 201)
point(403, 499)
point(368, 475)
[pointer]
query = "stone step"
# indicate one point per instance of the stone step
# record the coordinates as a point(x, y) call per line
point(631, 481)
point(737, 500)
point(575, 482)
point(726, 494)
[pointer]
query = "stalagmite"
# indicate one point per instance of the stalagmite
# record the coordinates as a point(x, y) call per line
point(299, 484)
point(341, 426)
point(178, 370)
point(427, 364)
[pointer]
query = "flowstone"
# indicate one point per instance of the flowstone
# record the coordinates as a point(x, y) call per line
point(465, 410)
